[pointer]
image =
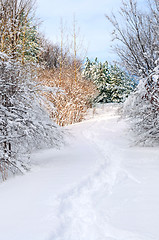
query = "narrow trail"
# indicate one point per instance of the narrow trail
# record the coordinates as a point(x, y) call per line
point(85, 212)
point(98, 187)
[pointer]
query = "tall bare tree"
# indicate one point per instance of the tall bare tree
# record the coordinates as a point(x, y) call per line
point(138, 36)
point(137, 33)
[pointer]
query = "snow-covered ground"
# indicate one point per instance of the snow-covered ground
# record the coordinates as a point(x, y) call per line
point(98, 187)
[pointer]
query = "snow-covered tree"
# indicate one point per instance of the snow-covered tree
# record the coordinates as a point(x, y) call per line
point(142, 108)
point(87, 72)
point(136, 33)
point(113, 84)
point(24, 123)
point(121, 84)
point(139, 52)
point(101, 78)
point(29, 41)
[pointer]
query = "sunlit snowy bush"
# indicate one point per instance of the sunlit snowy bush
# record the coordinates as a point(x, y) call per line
point(142, 108)
point(24, 123)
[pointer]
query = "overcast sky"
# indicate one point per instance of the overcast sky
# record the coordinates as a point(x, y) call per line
point(90, 16)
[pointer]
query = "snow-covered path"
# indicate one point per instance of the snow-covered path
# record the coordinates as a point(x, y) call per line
point(98, 188)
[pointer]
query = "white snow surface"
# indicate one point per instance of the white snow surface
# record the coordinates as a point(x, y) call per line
point(98, 187)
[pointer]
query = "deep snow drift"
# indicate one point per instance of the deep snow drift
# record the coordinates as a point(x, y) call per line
point(98, 187)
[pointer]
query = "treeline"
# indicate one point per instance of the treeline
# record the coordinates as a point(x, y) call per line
point(137, 36)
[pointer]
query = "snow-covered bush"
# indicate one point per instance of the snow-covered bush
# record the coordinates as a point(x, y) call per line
point(139, 51)
point(24, 124)
point(142, 108)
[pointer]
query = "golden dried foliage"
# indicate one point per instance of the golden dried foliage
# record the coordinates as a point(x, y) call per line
point(73, 97)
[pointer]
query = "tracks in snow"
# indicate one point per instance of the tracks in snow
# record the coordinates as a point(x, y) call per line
point(78, 212)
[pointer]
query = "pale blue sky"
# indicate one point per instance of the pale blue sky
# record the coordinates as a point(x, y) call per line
point(90, 16)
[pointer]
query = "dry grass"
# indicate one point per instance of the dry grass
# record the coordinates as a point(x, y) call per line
point(72, 103)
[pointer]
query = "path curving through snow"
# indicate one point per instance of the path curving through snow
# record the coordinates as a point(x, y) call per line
point(98, 187)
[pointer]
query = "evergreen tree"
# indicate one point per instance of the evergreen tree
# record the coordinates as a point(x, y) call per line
point(87, 73)
point(19, 37)
point(121, 84)
point(102, 81)
point(29, 41)
point(113, 84)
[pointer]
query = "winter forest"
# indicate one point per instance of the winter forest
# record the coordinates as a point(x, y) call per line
point(85, 128)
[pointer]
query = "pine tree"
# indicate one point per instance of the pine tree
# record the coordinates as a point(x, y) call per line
point(121, 84)
point(87, 70)
point(19, 37)
point(29, 41)
point(113, 84)
point(102, 81)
